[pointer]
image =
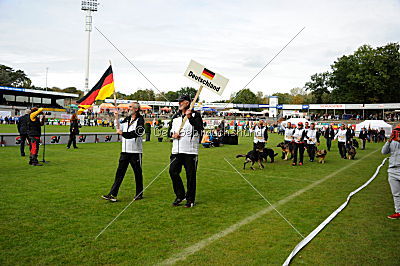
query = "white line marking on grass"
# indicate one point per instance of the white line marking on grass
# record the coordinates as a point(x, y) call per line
point(207, 241)
point(127, 206)
point(289, 223)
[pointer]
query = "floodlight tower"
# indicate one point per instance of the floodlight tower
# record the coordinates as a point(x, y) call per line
point(89, 6)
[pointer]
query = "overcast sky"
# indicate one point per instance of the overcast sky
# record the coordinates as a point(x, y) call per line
point(233, 38)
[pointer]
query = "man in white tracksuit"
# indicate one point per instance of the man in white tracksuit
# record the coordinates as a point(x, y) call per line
point(260, 134)
point(299, 135)
point(341, 136)
point(312, 136)
point(288, 139)
point(131, 130)
point(392, 146)
point(185, 148)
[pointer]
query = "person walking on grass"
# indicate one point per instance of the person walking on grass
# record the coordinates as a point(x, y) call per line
point(131, 130)
point(73, 131)
point(260, 134)
point(363, 136)
point(299, 134)
point(312, 136)
point(22, 126)
point(288, 139)
point(329, 136)
point(185, 147)
point(392, 147)
point(341, 136)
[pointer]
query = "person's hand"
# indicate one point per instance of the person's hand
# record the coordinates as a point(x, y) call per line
point(176, 136)
point(119, 131)
point(188, 113)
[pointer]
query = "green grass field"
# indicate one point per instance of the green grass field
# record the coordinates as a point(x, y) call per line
point(52, 214)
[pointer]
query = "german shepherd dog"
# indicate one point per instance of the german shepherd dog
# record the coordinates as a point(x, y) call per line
point(285, 149)
point(253, 156)
point(267, 152)
point(321, 154)
point(351, 152)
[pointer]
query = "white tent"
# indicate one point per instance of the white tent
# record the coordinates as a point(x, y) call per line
point(294, 121)
point(375, 124)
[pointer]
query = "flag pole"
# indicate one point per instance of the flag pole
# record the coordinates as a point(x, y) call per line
point(190, 108)
point(117, 125)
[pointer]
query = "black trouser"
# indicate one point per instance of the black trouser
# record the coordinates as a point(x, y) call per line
point(23, 139)
point(329, 143)
point(189, 161)
point(363, 143)
point(311, 151)
point(342, 149)
point(72, 140)
point(135, 160)
point(298, 147)
point(255, 144)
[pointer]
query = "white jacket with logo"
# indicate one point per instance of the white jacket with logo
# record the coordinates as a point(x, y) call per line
point(289, 134)
point(312, 137)
point(189, 140)
point(260, 134)
point(341, 135)
point(132, 132)
point(299, 135)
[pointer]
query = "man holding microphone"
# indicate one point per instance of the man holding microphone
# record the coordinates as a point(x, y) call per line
point(34, 132)
point(131, 129)
point(185, 147)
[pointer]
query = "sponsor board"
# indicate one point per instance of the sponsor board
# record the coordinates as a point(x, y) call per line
point(13, 139)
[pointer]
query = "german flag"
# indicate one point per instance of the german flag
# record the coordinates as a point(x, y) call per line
point(104, 88)
point(208, 74)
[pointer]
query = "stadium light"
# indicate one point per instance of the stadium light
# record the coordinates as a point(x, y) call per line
point(47, 71)
point(89, 6)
